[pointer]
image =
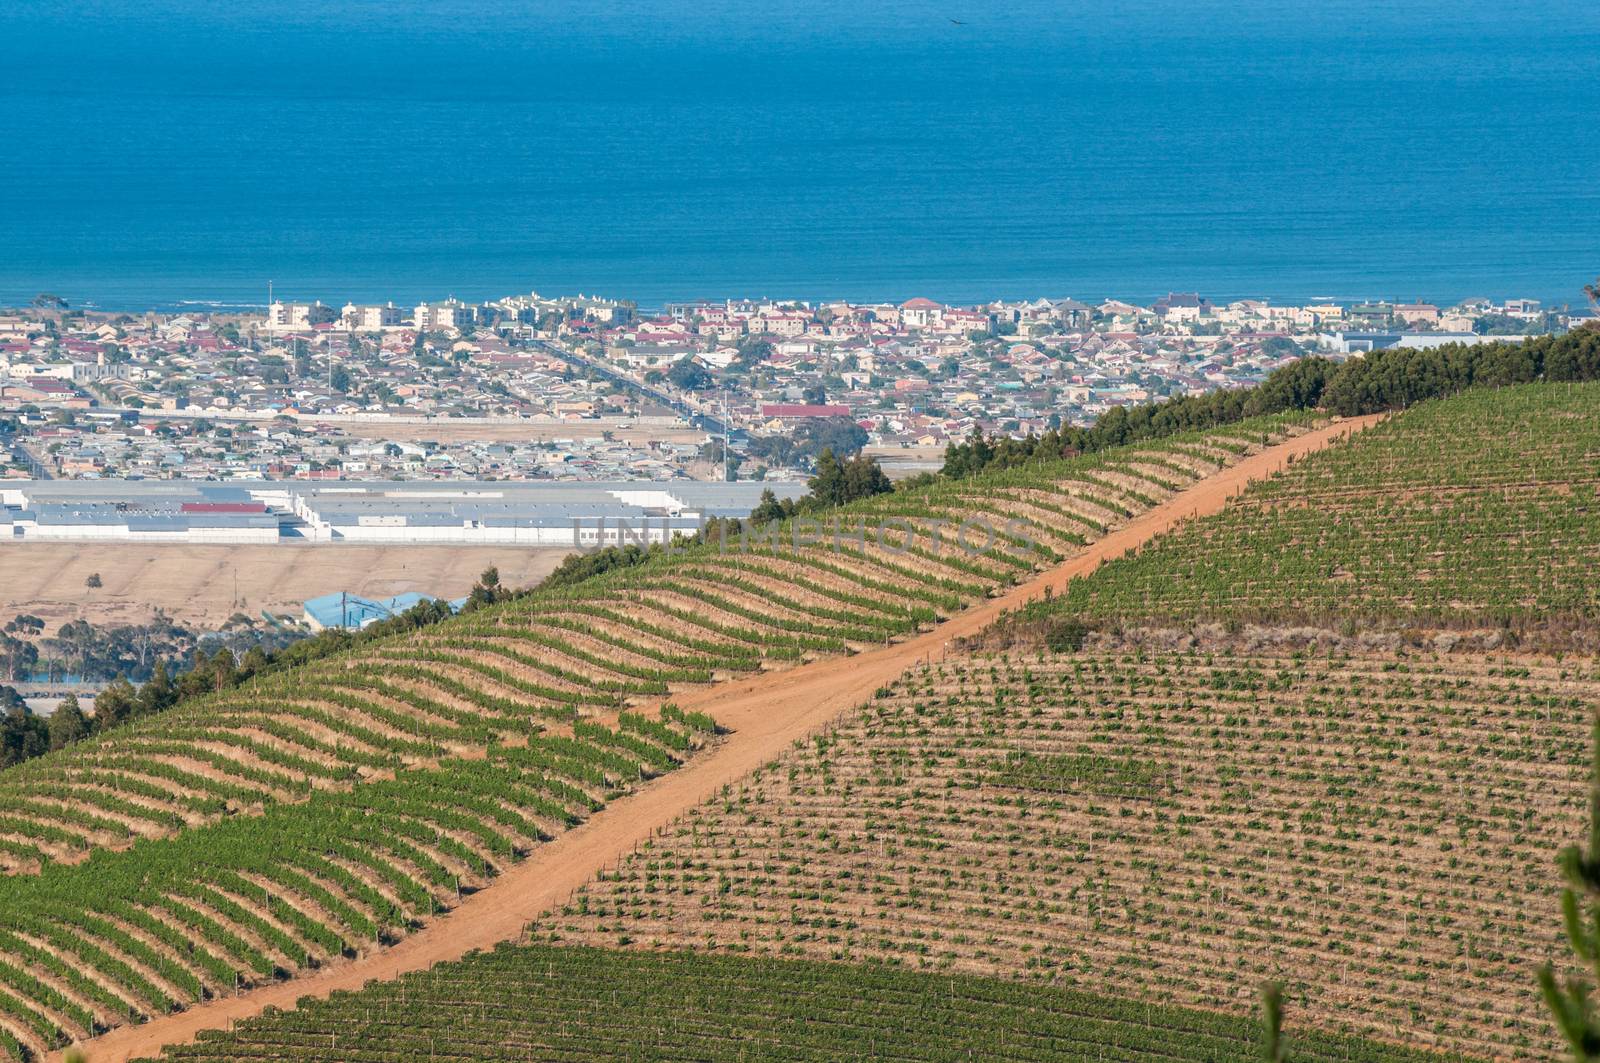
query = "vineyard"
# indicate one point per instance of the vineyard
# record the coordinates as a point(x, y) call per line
point(1378, 832)
point(320, 813)
point(1475, 511)
point(597, 1004)
point(1003, 854)
point(499, 676)
point(127, 935)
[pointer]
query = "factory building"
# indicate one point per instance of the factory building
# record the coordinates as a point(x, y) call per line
point(564, 514)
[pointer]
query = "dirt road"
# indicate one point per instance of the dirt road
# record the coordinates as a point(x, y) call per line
point(766, 715)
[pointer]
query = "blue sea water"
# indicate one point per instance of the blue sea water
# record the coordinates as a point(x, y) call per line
point(165, 150)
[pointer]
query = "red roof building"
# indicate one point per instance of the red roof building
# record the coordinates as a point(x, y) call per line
point(224, 507)
point(798, 409)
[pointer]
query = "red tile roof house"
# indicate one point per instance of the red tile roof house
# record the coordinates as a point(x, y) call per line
point(1417, 313)
point(920, 313)
point(967, 320)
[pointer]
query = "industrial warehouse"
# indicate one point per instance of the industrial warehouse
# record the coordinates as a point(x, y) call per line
point(571, 514)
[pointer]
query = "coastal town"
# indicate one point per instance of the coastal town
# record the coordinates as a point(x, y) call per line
point(587, 388)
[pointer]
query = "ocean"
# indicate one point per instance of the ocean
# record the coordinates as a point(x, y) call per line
point(163, 151)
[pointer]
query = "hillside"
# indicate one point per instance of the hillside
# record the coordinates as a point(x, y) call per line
point(1474, 512)
point(630, 637)
point(319, 814)
point(1262, 792)
point(1168, 827)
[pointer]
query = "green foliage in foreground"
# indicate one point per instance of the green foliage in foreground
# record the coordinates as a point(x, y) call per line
point(1572, 1003)
point(556, 1002)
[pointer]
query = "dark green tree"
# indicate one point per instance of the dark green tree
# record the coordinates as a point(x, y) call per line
point(1273, 1047)
point(827, 487)
point(23, 735)
point(770, 509)
point(689, 375)
point(68, 724)
point(837, 483)
point(115, 704)
point(487, 591)
point(158, 694)
point(1571, 1001)
point(864, 477)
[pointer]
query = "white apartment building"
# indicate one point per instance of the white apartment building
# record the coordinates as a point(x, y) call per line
point(370, 318)
point(450, 314)
point(292, 317)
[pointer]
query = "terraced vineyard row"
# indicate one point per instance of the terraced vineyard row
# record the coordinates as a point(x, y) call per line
point(535, 1002)
point(880, 569)
point(1165, 827)
point(1480, 509)
point(499, 676)
point(128, 935)
point(323, 812)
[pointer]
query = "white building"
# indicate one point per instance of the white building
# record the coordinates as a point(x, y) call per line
point(370, 318)
point(450, 314)
point(294, 317)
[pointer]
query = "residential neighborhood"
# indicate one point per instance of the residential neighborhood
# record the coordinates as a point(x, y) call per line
point(587, 388)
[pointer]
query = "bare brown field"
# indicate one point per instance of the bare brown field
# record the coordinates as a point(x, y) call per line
point(903, 462)
point(207, 584)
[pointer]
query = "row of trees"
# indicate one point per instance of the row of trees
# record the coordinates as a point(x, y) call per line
point(840, 435)
point(97, 652)
point(1382, 380)
point(89, 651)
